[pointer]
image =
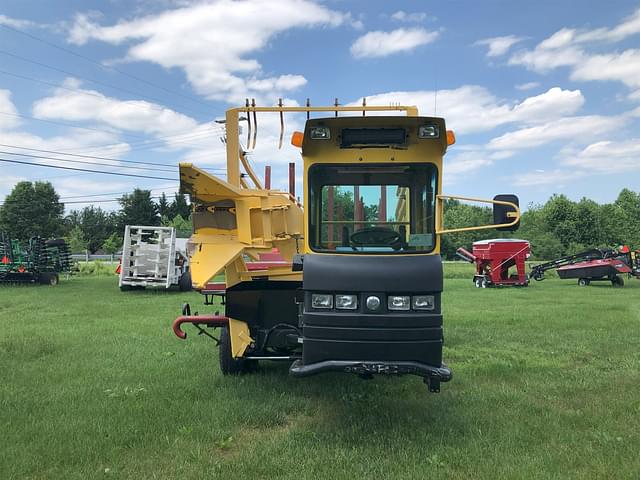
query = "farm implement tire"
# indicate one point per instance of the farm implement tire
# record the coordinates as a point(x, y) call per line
point(583, 282)
point(228, 364)
point(184, 284)
point(617, 281)
point(49, 279)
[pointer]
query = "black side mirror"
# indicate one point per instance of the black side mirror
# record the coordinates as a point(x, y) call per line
point(505, 213)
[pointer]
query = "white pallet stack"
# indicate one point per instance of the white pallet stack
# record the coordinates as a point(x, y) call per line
point(148, 257)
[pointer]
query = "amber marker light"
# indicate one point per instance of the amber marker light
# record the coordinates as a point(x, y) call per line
point(296, 139)
point(451, 137)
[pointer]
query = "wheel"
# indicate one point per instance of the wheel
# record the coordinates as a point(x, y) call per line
point(617, 281)
point(228, 364)
point(538, 276)
point(484, 283)
point(49, 279)
point(583, 282)
point(478, 282)
point(184, 284)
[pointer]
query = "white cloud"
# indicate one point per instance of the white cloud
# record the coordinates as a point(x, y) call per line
point(527, 86)
point(607, 157)
point(472, 108)
point(538, 178)
point(599, 158)
point(623, 67)
point(402, 16)
point(132, 115)
point(15, 22)
point(8, 109)
point(499, 45)
point(461, 165)
point(382, 44)
point(554, 103)
point(569, 48)
point(568, 128)
point(212, 42)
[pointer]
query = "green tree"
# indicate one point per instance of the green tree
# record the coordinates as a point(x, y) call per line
point(32, 209)
point(458, 215)
point(138, 209)
point(96, 225)
point(183, 226)
point(77, 242)
point(164, 207)
point(112, 244)
point(179, 206)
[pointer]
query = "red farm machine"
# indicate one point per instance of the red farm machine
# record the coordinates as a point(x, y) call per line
point(594, 265)
point(39, 261)
point(493, 260)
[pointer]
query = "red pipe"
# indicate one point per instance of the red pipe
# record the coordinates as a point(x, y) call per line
point(267, 177)
point(292, 179)
point(212, 320)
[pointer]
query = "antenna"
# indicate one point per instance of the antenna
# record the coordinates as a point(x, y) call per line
point(435, 92)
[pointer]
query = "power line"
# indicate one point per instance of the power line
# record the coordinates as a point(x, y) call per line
point(93, 157)
point(112, 193)
point(99, 64)
point(68, 124)
point(82, 92)
point(33, 164)
point(97, 82)
point(88, 163)
point(158, 140)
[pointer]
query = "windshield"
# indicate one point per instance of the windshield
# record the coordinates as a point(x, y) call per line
point(382, 208)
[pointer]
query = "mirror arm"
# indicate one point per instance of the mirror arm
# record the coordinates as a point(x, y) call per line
point(440, 199)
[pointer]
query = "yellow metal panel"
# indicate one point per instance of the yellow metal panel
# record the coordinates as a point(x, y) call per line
point(211, 258)
point(240, 337)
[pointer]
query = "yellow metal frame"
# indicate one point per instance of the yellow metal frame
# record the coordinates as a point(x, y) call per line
point(233, 142)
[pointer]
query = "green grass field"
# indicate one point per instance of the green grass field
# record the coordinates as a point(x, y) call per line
point(93, 384)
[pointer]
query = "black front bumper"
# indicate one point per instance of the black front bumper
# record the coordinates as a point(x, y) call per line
point(432, 375)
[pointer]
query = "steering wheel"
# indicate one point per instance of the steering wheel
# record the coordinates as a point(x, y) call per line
point(375, 237)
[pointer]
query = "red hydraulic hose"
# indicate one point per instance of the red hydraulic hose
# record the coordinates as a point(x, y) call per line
point(211, 320)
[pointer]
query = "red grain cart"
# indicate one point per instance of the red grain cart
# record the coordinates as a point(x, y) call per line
point(493, 259)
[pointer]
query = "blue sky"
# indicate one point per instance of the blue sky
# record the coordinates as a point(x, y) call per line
point(544, 96)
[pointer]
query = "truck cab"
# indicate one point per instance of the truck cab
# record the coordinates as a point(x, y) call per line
point(372, 273)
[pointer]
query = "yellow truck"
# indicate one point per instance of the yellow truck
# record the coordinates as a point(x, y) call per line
point(359, 282)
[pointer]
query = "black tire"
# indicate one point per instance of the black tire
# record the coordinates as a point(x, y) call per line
point(477, 282)
point(484, 283)
point(184, 284)
point(49, 279)
point(538, 276)
point(617, 281)
point(583, 282)
point(228, 364)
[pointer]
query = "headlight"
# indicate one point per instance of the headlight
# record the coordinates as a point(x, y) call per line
point(398, 302)
point(373, 303)
point(320, 133)
point(428, 131)
point(424, 302)
point(321, 300)
point(346, 302)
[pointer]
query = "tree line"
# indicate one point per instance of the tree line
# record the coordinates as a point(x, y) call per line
point(35, 209)
point(556, 228)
